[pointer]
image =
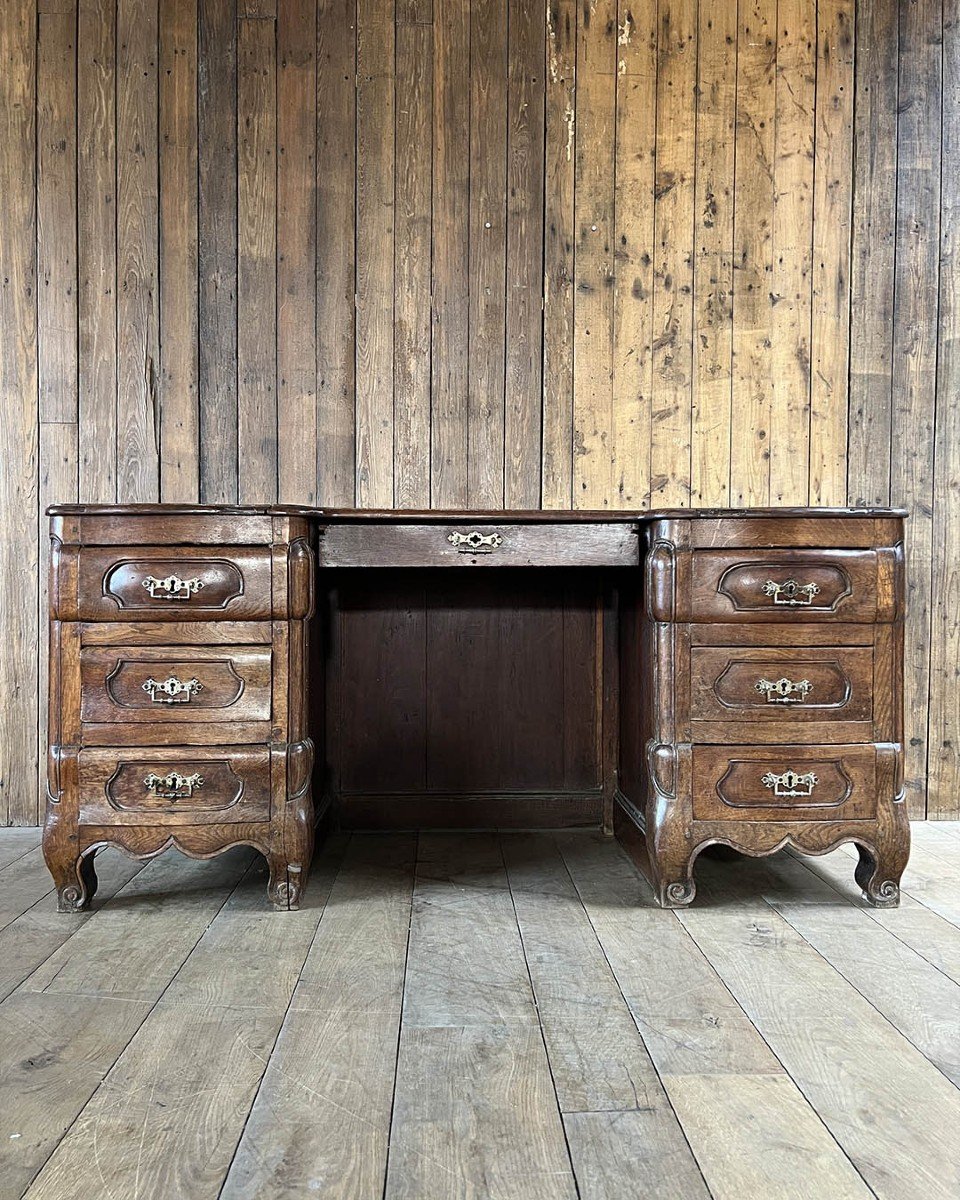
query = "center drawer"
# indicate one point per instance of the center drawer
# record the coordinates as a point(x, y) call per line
point(484, 544)
point(148, 685)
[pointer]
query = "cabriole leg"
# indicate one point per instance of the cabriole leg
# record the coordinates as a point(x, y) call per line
point(878, 874)
point(75, 879)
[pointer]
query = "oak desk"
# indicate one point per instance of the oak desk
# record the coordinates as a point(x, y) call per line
point(224, 676)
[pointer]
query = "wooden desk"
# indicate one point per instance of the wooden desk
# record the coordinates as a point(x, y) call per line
point(221, 676)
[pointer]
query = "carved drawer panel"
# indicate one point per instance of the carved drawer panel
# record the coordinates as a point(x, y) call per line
point(174, 785)
point(174, 583)
point(480, 545)
point(781, 585)
point(801, 686)
point(188, 684)
point(784, 783)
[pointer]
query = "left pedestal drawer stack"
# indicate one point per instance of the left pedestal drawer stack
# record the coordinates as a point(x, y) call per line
point(177, 700)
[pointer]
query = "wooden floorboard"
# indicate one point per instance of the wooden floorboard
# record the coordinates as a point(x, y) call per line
point(475, 1110)
point(480, 1016)
point(879, 1097)
point(15, 843)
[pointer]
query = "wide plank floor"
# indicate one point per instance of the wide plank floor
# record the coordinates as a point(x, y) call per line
point(482, 1016)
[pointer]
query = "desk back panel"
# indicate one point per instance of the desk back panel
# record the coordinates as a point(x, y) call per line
point(457, 698)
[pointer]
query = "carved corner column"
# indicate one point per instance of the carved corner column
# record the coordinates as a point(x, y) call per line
point(655, 826)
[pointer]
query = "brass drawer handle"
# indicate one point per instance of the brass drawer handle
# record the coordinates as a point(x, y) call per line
point(790, 783)
point(784, 691)
point(172, 690)
point(172, 588)
point(790, 592)
point(173, 786)
point(474, 542)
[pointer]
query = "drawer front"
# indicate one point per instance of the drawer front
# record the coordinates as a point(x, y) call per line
point(784, 585)
point(481, 545)
point(174, 584)
point(174, 786)
point(802, 686)
point(784, 783)
point(188, 684)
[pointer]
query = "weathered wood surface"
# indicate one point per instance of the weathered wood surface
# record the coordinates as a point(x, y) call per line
point(425, 254)
point(480, 1015)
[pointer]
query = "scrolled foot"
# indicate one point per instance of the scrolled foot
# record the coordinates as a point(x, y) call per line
point(76, 884)
point(874, 877)
point(71, 899)
point(285, 885)
point(678, 894)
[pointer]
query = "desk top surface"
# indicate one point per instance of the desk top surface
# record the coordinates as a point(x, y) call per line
point(418, 516)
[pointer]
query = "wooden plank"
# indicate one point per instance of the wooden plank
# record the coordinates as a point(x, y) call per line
point(22, 884)
point(791, 283)
point(59, 455)
point(621, 1153)
point(934, 880)
point(56, 218)
point(217, 149)
point(56, 302)
point(375, 252)
point(873, 243)
point(97, 249)
point(595, 124)
point(915, 925)
point(753, 252)
point(138, 328)
point(179, 249)
point(332, 1073)
point(915, 358)
point(19, 483)
point(169, 1113)
point(467, 999)
point(465, 965)
point(297, 252)
point(690, 1023)
point(496, 1132)
point(713, 256)
point(412, 216)
point(883, 1102)
point(174, 901)
point(450, 309)
point(673, 253)
point(892, 976)
point(488, 253)
point(335, 245)
point(257, 255)
point(736, 1124)
point(524, 268)
point(29, 939)
point(833, 186)
point(73, 1044)
point(76, 1014)
point(597, 1057)
point(929, 832)
point(943, 766)
point(558, 269)
point(15, 843)
point(606, 1084)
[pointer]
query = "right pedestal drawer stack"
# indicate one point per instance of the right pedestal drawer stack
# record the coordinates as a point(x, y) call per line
point(772, 660)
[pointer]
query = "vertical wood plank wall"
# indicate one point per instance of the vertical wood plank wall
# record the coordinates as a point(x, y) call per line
point(460, 253)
